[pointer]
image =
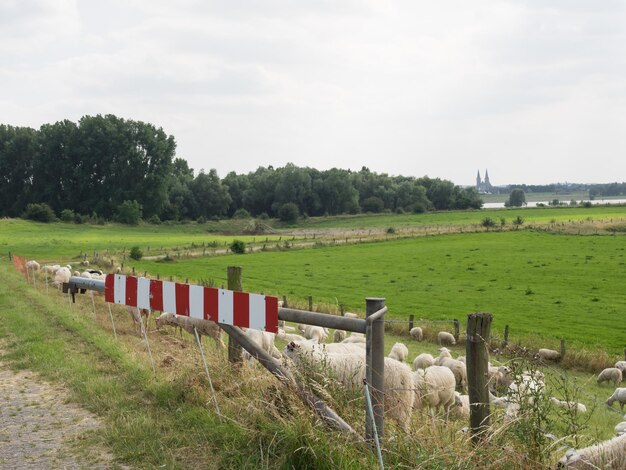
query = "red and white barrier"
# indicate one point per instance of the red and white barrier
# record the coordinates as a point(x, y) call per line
point(242, 309)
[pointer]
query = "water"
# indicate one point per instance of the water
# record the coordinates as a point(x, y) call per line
point(498, 205)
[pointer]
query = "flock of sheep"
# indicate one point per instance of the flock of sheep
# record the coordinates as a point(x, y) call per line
point(434, 383)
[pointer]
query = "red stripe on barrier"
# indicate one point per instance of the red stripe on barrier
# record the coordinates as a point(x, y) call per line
point(211, 304)
point(156, 295)
point(182, 299)
point(241, 309)
point(271, 314)
point(109, 290)
point(131, 291)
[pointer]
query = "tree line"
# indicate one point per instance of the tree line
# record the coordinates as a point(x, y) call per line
point(108, 168)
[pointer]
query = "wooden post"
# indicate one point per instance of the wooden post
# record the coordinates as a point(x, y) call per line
point(342, 310)
point(478, 329)
point(505, 343)
point(133, 270)
point(411, 320)
point(562, 348)
point(10, 256)
point(234, 283)
point(285, 301)
point(310, 303)
point(375, 367)
point(625, 354)
point(456, 330)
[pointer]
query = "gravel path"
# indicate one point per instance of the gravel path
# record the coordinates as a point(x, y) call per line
point(38, 425)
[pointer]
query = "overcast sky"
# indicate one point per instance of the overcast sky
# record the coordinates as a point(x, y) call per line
point(534, 91)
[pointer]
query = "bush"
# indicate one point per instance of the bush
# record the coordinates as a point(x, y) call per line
point(39, 212)
point(263, 216)
point(288, 212)
point(201, 220)
point(518, 220)
point(391, 230)
point(136, 253)
point(241, 213)
point(154, 220)
point(129, 212)
point(488, 222)
point(373, 204)
point(517, 198)
point(238, 247)
point(68, 215)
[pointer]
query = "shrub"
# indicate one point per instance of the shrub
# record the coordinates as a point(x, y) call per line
point(201, 220)
point(518, 220)
point(488, 222)
point(241, 213)
point(288, 212)
point(39, 212)
point(154, 220)
point(136, 253)
point(129, 212)
point(391, 230)
point(238, 247)
point(373, 204)
point(68, 215)
point(263, 216)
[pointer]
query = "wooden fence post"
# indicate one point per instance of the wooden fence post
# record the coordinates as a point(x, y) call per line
point(234, 283)
point(625, 354)
point(505, 343)
point(310, 303)
point(411, 319)
point(285, 301)
point(456, 330)
point(562, 348)
point(375, 367)
point(477, 342)
point(342, 309)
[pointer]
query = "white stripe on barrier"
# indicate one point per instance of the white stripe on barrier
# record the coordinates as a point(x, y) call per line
point(225, 306)
point(257, 311)
point(120, 289)
point(196, 301)
point(169, 297)
point(143, 293)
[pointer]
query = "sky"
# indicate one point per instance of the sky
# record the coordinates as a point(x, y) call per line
point(534, 91)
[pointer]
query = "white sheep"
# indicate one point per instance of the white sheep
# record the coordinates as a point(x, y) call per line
point(462, 405)
point(444, 353)
point(350, 315)
point(416, 333)
point(264, 339)
point(50, 269)
point(607, 455)
point(499, 377)
point(621, 365)
point(461, 359)
point(579, 407)
point(620, 428)
point(399, 352)
point(339, 336)
point(443, 337)
point(135, 315)
point(354, 338)
point(423, 361)
point(62, 276)
point(350, 371)
point(458, 369)
point(619, 395)
point(547, 355)
point(610, 374)
point(32, 265)
point(315, 332)
point(434, 388)
point(284, 336)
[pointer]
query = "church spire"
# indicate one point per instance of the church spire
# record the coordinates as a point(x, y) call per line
point(478, 180)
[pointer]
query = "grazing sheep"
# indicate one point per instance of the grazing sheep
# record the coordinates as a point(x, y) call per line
point(610, 374)
point(579, 407)
point(443, 337)
point(354, 338)
point(621, 365)
point(499, 377)
point(529, 387)
point(315, 332)
point(50, 269)
point(62, 276)
point(136, 314)
point(282, 335)
point(547, 355)
point(444, 353)
point(84, 263)
point(339, 336)
point(458, 369)
point(607, 455)
point(399, 352)
point(264, 339)
point(500, 402)
point(350, 370)
point(434, 388)
point(461, 359)
point(423, 361)
point(350, 315)
point(32, 265)
point(620, 428)
point(462, 405)
point(619, 395)
point(416, 333)
point(288, 328)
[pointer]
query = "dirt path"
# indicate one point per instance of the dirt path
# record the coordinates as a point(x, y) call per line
point(39, 427)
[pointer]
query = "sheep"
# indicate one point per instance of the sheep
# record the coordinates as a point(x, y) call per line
point(264, 339)
point(579, 407)
point(443, 354)
point(423, 361)
point(530, 386)
point(62, 276)
point(462, 405)
point(461, 359)
point(434, 388)
point(50, 269)
point(608, 455)
point(399, 352)
point(354, 339)
point(315, 332)
point(416, 333)
point(32, 265)
point(499, 402)
point(547, 355)
point(203, 327)
point(350, 315)
point(619, 395)
point(86, 275)
point(84, 263)
point(282, 335)
point(339, 336)
point(76, 274)
point(443, 337)
point(610, 374)
point(621, 365)
point(458, 369)
point(350, 370)
point(288, 328)
point(620, 428)
point(499, 377)
point(318, 350)
point(136, 314)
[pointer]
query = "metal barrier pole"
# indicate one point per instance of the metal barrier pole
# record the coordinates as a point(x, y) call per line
point(112, 322)
point(368, 403)
point(208, 376)
point(375, 363)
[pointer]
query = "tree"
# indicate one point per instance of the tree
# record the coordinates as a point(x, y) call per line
point(288, 212)
point(517, 198)
point(39, 212)
point(210, 197)
point(373, 204)
point(129, 212)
